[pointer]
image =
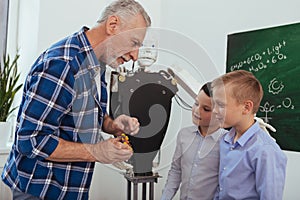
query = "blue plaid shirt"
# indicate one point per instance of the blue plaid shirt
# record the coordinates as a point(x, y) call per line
point(60, 100)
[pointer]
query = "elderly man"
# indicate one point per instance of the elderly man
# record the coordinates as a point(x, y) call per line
point(63, 111)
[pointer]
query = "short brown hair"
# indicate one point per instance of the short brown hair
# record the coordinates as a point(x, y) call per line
point(245, 86)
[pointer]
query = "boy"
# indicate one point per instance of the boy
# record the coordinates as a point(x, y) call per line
point(196, 159)
point(252, 165)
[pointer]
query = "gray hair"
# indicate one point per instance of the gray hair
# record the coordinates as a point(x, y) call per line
point(124, 9)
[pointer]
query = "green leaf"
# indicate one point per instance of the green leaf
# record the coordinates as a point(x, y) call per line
point(9, 86)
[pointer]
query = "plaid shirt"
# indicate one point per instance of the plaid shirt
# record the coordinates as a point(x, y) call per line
point(60, 100)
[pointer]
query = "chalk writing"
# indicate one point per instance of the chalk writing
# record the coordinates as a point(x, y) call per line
point(266, 108)
point(261, 60)
point(275, 87)
point(286, 103)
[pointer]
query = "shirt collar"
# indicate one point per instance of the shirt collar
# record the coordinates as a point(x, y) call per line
point(215, 135)
point(86, 45)
point(94, 63)
point(245, 137)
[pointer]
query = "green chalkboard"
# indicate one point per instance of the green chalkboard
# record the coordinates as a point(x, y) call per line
point(273, 56)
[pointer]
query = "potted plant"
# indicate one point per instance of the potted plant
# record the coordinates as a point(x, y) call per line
point(9, 86)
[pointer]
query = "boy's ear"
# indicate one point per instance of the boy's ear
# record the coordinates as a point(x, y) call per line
point(112, 25)
point(248, 107)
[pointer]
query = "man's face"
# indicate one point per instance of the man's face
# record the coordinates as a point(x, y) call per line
point(124, 45)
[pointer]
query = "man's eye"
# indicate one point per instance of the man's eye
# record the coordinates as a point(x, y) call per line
point(136, 44)
point(221, 105)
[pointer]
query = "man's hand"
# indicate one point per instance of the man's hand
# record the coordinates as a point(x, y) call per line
point(107, 152)
point(111, 151)
point(122, 124)
point(129, 125)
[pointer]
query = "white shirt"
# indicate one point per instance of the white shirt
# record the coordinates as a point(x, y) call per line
point(195, 165)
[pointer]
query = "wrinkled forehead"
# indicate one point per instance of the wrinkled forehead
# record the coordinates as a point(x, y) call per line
point(135, 27)
point(134, 33)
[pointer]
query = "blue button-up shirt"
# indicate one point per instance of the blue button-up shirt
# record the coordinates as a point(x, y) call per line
point(60, 100)
point(253, 167)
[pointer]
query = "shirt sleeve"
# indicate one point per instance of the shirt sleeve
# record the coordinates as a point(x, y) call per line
point(270, 173)
point(174, 175)
point(48, 94)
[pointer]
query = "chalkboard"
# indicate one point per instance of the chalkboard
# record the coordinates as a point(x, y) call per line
point(273, 56)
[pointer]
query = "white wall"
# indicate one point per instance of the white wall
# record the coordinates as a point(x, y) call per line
point(3, 27)
point(209, 23)
point(204, 23)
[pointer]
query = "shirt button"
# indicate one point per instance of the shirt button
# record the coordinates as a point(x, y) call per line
point(221, 189)
point(224, 168)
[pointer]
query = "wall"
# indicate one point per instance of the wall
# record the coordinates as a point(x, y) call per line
point(203, 23)
point(3, 26)
point(209, 23)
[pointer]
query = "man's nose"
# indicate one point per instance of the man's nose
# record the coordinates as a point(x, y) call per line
point(134, 54)
point(215, 109)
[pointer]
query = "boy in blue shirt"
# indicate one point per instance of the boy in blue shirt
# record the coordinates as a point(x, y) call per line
point(252, 165)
